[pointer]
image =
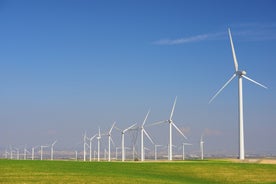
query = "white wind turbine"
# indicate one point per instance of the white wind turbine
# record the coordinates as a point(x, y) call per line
point(52, 149)
point(143, 131)
point(84, 146)
point(240, 74)
point(6, 154)
point(17, 150)
point(90, 147)
point(123, 139)
point(201, 147)
point(155, 150)
point(41, 151)
point(33, 149)
point(25, 153)
point(110, 140)
point(11, 154)
point(76, 155)
point(171, 124)
point(183, 149)
point(99, 139)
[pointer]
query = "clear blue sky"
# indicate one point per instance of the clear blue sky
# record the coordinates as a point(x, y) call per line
point(69, 66)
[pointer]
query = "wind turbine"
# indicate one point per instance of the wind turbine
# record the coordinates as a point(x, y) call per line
point(17, 150)
point(99, 138)
point(155, 150)
point(41, 151)
point(240, 74)
point(76, 155)
point(33, 149)
point(11, 155)
point(90, 147)
point(84, 146)
point(143, 131)
point(110, 140)
point(183, 149)
point(25, 152)
point(171, 124)
point(123, 140)
point(6, 154)
point(52, 149)
point(201, 147)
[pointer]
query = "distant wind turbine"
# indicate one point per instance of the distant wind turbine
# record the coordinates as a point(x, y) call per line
point(110, 140)
point(25, 153)
point(123, 139)
point(183, 149)
point(6, 153)
point(90, 147)
point(155, 150)
point(76, 155)
point(99, 139)
point(33, 149)
point(17, 157)
point(52, 149)
point(41, 151)
point(84, 146)
point(240, 74)
point(171, 124)
point(143, 131)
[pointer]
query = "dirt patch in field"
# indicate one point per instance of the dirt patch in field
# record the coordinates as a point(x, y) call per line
point(260, 161)
point(267, 161)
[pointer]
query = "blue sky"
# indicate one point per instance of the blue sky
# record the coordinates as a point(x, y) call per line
point(69, 66)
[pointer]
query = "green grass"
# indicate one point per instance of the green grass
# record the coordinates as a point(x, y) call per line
point(14, 171)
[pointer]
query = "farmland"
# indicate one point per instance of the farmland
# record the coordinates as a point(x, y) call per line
point(214, 171)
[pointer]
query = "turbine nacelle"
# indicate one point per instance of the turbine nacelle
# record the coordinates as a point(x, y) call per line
point(240, 73)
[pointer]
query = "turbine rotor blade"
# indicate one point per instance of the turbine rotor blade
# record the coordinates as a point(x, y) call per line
point(157, 123)
point(129, 127)
point(223, 87)
point(254, 81)
point(118, 129)
point(111, 128)
point(93, 137)
point(173, 108)
point(146, 118)
point(188, 144)
point(112, 141)
point(148, 136)
point(233, 51)
point(179, 130)
point(54, 143)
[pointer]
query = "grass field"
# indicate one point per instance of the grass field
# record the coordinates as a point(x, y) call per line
point(213, 171)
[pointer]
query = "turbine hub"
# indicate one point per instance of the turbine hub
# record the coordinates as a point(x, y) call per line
point(240, 73)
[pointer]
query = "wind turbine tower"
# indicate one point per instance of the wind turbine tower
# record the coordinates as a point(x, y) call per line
point(201, 147)
point(84, 146)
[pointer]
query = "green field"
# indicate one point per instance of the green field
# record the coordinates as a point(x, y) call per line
point(26, 171)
